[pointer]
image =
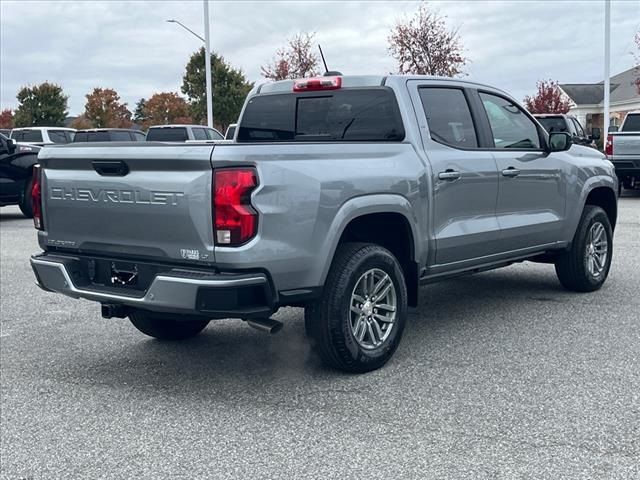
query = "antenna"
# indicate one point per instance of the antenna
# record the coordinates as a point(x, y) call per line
point(327, 72)
point(326, 69)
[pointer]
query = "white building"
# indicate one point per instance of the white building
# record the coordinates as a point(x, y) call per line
point(587, 98)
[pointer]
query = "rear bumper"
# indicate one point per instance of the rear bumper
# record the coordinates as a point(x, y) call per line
point(189, 292)
point(626, 167)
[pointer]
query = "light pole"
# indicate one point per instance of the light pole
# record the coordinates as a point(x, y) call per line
point(207, 57)
point(607, 54)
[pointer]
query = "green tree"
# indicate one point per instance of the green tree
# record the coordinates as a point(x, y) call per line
point(230, 88)
point(139, 115)
point(43, 105)
point(104, 110)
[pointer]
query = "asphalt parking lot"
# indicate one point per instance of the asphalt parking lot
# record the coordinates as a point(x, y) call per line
point(500, 375)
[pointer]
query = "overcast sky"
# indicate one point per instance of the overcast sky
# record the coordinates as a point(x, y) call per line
point(128, 46)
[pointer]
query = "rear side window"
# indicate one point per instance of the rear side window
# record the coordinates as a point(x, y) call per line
point(120, 136)
point(510, 126)
point(449, 117)
point(60, 136)
point(168, 134)
point(199, 134)
point(631, 123)
point(29, 136)
point(367, 115)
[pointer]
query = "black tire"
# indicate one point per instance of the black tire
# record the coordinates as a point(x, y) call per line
point(571, 266)
point(26, 202)
point(328, 321)
point(163, 328)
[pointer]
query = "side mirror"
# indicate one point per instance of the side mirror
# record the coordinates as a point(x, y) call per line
point(595, 133)
point(8, 146)
point(559, 142)
point(613, 128)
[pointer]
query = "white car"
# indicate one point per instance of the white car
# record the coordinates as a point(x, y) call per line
point(182, 133)
point(43, 135)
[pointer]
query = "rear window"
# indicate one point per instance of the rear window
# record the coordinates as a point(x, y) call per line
point(167, 134)
point(553, 124)
point(60, 136)
point(632, 123)
point(369, 115)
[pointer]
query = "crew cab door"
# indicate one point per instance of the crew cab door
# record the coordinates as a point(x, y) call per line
point(532, 187)
point(464, 177)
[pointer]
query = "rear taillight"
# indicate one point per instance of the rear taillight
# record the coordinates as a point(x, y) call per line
point(235, 221)
point(317, 83)
point(36, 197)
point(608, 146)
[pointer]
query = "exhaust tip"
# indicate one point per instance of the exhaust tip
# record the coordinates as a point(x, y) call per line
point(267, 325)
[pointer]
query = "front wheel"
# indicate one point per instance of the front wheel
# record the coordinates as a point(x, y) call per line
point(357, 324)
point(585, 266)
point(162, 328)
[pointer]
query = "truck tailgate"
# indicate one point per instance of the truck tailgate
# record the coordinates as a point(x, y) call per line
point(626, 145)
point(145, 200)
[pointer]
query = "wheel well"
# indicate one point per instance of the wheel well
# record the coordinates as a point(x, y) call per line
point(391, 231)
point(605, 198)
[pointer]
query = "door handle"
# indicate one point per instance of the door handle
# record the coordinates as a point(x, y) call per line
point(510, 172)
point(449, 175)
point(111, 169)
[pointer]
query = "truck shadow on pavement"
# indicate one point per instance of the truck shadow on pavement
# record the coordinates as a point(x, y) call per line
point(230, 357)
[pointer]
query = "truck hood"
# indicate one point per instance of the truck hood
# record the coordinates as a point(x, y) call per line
point(586, 152)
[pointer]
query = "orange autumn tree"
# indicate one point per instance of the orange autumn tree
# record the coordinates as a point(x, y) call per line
point(104, 109)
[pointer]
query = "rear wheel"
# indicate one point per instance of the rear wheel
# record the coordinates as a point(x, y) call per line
point(585, 266)
point(357, 324)
point(26, 202)
point(163, 328)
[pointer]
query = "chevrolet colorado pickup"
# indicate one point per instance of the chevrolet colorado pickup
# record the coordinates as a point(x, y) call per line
point(341, 195)
point(623, 149)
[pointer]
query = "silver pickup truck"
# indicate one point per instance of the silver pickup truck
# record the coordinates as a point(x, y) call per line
point(623, 149)
point(341, 195)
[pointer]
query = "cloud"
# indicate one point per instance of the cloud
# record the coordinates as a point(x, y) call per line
point(130, 47)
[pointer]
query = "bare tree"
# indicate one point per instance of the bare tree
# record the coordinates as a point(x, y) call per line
point(424, 45)
point(295, 60)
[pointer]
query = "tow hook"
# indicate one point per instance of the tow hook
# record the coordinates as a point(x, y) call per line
point(268, 325)
point(110, 310)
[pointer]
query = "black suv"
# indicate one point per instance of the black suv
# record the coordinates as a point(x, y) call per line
point(558, 122)
point(109, 135)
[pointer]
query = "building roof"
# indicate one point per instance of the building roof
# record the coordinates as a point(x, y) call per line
point(622, 88)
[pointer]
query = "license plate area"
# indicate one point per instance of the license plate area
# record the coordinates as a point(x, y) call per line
point(124, 274)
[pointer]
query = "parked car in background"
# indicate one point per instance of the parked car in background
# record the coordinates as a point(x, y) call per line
point(231, 130)
point(339, 194)
point(556, 122)
point(43, 135)
point(5, 131)
point(109, 135)
point(623, 149)
point(16, 167)
point(182, 133)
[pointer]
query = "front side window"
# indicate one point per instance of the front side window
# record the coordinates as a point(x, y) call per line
point(579, 130)
point(214, 134)
point(449, 117)
point(510, 126)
